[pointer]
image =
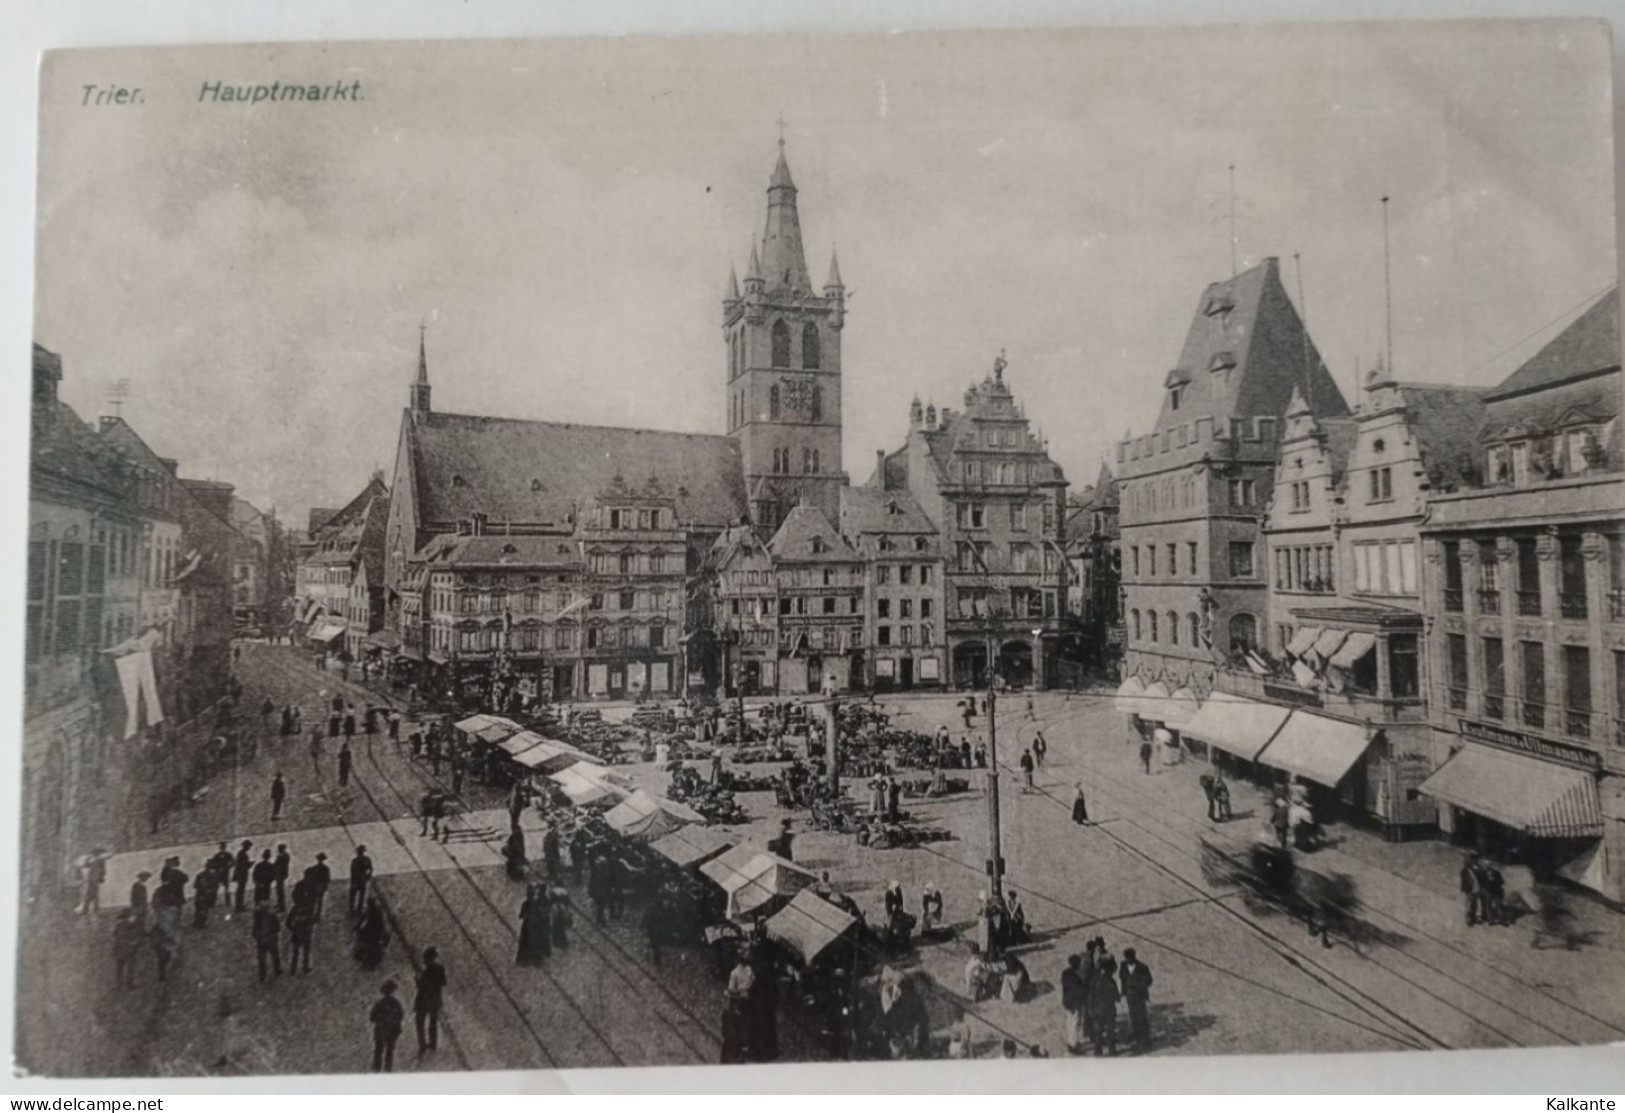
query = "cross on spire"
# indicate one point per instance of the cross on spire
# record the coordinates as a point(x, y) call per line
point(782, 125)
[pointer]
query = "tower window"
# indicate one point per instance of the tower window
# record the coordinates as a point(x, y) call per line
point(773, 403)
point(781, 344)
point(817, 402)
point(811, 350)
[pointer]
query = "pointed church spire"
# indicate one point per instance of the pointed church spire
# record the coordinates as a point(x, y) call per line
point(784, 263)
point(834, 282)
point(420, 385)
point(733, 285)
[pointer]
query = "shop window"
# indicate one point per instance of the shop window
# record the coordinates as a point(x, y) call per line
point(1404, 666)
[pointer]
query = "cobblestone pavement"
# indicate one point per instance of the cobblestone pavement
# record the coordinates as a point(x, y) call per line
point(1228, 978)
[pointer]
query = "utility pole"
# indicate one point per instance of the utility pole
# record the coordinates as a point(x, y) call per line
point(832, 739)
point(995, 861)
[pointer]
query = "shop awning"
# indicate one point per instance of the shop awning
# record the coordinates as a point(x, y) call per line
point(1236, 724)
point(692, 845)
point(1316, 747)
point(1182, 708)
point(753, 882)
point(1154, 704)
point(327, 632)
point(643, 815)
point(1329, 642)
point(1536, 797)
point(1303, 641)
point(1128, 696)
point(808, 925)
point(1356, 647)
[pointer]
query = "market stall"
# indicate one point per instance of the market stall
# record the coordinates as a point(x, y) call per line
point(584, 791)
point(646, 816)
point(810, 928)
point(693, 845)
point(755, 882)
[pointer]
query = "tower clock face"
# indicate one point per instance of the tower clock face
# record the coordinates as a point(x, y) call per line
point(798, 395)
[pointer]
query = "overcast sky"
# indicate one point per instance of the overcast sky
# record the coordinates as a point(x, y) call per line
point(563, 216)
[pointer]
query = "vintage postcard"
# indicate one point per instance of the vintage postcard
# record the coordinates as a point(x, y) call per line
point(612, 553)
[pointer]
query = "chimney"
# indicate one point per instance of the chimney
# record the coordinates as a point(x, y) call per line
point(880, 468)
point(478, 523)
point(106, 422)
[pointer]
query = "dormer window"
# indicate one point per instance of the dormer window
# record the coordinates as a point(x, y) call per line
point(1222, 361)
point(1217, 304)
point(458, 481)
point(535, 484)
point(509, 549)
point(919, 544)
point(1173, 397)
point(817, 544)
point(1378, 446)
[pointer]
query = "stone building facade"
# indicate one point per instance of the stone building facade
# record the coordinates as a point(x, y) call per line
point(1523, 577)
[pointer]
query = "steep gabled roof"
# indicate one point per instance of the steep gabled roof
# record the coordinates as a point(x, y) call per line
point(1244, 352)
point(807, 535)
point(542, 472)
point(871, 510)
point(1446, 421)
point(319, 517)
point(1588, 346)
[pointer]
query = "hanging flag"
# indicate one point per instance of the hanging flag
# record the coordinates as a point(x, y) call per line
point(575, 605)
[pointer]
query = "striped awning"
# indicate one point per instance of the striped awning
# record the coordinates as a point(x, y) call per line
point(1316, 747)
point(1128, 696)
point(1182, 708)
point(1236, 724)
point(1330, 641)
point(1303, 641)
point(1357, 646)
point(1536, 797)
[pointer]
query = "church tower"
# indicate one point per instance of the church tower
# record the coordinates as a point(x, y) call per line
point(783, 350)
point(420, 386)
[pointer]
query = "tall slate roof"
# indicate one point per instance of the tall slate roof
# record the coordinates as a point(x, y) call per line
point(1586, 347)
point(542, 472)
point(804, 526)
point(1446, 421)
point(871, 510)
point(1245, 351)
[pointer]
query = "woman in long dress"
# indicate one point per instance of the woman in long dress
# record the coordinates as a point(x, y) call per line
point(372, 936)
point(1080, 810)
point(535, 929)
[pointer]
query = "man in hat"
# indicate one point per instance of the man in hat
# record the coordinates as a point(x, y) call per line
point(360, 877)
point(1135, 977)
point(1073, 1001)
point(320, 877)
point(95, 878)
point(267, 933)
point(220, 863)
point(206, 891)
point(126, 945)
point(281, 868)
point(301, 928)
point(430, 998)
point(139, 898)
point(241, 867)
point(387, 1019)
point(279, 793)
point(264, 875)
point(346, 763)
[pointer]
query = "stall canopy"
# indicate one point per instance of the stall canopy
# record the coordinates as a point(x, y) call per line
point(1128, 696)
point(1236, 724)
point(1182, 708)
point(1356, 647)
point(326, 632)
point(544, 755)
point(384, 639)
point(754, 880)
point(583, 791)
point(645, 816)
point(476, 723)
point(1303, 641)
point(1316, 748)
point(692, 845)
point(1529, 795)
point(808, 925)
